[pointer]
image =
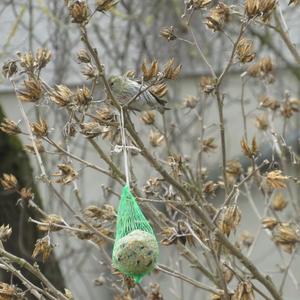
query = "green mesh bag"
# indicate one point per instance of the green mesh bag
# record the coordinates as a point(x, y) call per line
point(135, 250)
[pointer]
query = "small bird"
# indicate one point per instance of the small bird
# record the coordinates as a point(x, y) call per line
point(125, 89)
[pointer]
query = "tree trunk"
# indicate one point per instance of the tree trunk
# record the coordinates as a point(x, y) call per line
point(14, 160)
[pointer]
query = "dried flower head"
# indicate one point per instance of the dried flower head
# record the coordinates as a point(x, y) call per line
point(9, 127)
point(259, 8)
point(159, 90)
point(244, 291)
point(266, 8)
point(42, 57)
point(152, 186)
point(276, 180)
point(8, 292)
point(154, 292)
point(9, 69)
point(233, 171)
point(263, 69)
point(40, 128)
point(61, 95)
point(290, 107)
point(156, 138)
point(27, 61)
point(91, 129)
point(208, 145)
point(229, 219)
point(83, 96)
point(43, 247)
point(39, 146)
point(151, 71)
point(105, 114)
point(5, 232)
point(83, 56)
point(199, 4)
point(261, 122)
point(8, 182)
point(50, 223)
point(218, 17)
point(246, 238)
point(66, 173)
point(285, 236)
point(247, 150)
point(105, 5)
point(168, 33)
point(207, 84)
point(171, 71)
point(269, 223)
point(210, 187)
point(79, 11)
point(279, 202)
point(245, 50)
point(148, 117)
point(252, 8)
point(190, 102)
point(90, 72)
point(104, 213)
point(26, 194)
point(269, 102)
point(31, 91)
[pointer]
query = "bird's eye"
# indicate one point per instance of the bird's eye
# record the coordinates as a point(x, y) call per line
point(111, 83)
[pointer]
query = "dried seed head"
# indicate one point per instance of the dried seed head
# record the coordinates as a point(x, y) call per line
point(227, 273)
point(190, 102)
point(233, 170)
point(79, 11)
point(159, 90)
point(245, 51)
point(90, 72)
point(168, 33)
point(244, 291)
point(83, 96)
point(26, 194)
point(148, 117)
point(9, 69)
point(266, 8)
point(105, 5)
point(31, 91)
point(208, 145)
point(269, 223)
point(8, 292)
point(276, 180)
point(207, 84)
point(83, 56)
point(42, 57)
point(279, 202)
point(290, 107)
point(247, 150)
point(198, 4)
point(229, 219)
point(261, 122)
point(66, 173)
point(27, 62)
point(218, 17)
point(285, 236)
point(39, 146)
point(152, 186)
point(91, 129)
point(210, 187)
point(155, 138)
point(171, 71)
point(9, 127)
point(43, 247)
point(151, 71)
point(5, 233)
point(263, 69)
point(8, 182)
point(40, 128)
point(154, 292)
point(61, 95)
point(252, 8)
point(105, 114)
point(50, 223)
point(268, 102)
point(104, 213)
point(246, 238)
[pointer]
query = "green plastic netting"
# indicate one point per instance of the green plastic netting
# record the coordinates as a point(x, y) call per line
point(135, 250)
